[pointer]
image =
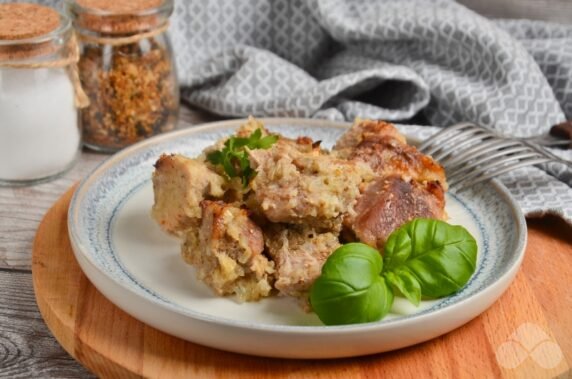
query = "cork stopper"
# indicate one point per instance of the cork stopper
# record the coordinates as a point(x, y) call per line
point(119, 17)
point(23, 22)
point(114, 6)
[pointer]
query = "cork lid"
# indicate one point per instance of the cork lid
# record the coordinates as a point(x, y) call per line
point(23, 21)
point(126, 6)
point(121, 17)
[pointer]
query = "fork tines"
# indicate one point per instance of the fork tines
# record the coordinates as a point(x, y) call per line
point(471, 154)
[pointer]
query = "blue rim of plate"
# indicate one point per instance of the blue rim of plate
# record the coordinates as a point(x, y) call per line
point(157, 300)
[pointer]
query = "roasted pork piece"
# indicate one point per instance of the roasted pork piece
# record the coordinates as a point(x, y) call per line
point(409, 184)
point(299, 252)
point(389, 203)
point(227, 251)
point(179, 185)
point(305, 187)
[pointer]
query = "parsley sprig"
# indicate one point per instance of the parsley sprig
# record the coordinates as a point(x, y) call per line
point(234, 157)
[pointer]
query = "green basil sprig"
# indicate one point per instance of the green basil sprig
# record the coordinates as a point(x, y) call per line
point(423, 258)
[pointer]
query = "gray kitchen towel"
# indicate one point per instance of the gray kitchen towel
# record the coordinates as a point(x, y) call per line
point(391, 60)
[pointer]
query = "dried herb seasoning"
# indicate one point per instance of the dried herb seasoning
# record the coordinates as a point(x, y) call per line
point(126, 69)
point(133, 93)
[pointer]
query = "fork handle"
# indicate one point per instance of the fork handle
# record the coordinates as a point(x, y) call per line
point(563, 131)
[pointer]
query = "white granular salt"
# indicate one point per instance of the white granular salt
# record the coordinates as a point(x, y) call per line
point(39, 133)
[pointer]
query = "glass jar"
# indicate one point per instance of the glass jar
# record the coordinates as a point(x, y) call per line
point(39, 133)
point(126, 69)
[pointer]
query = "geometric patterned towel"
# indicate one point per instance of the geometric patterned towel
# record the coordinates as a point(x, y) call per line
point(391, 60)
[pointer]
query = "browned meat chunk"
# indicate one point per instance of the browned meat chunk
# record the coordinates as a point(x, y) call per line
point(299, 254)
point(227, 252)
point(409, 184)
point(366, 130)
point(297, 187)
point(179, 185)
point(389, 203)
point(384, 149)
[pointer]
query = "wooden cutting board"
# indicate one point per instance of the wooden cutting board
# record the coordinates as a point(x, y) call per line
point(113, 344)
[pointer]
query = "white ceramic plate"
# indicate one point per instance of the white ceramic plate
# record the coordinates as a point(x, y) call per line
point(138, 267)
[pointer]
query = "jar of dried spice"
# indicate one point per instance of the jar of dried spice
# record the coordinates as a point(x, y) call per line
point(127, 70)
point(40, 92)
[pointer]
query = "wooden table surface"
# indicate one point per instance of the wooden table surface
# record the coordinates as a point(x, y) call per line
point(27, 349)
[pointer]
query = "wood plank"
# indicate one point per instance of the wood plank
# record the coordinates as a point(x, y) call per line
point(27, 347)
point(538, 297)
point(551, 256)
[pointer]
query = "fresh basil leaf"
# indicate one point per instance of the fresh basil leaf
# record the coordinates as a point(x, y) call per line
point(406, 284)
point(386, 300)
point(344, 261)
point(440, 256)
point(350, 288)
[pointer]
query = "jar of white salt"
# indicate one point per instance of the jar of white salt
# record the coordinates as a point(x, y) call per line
point(39, 94)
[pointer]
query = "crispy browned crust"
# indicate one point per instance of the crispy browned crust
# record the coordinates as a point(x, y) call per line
point(366, 130)
point(388, 157)
point(384, 149)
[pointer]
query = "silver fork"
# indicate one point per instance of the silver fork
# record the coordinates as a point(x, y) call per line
point(472, 153)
